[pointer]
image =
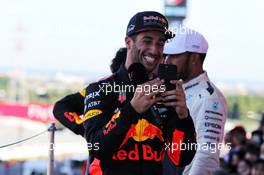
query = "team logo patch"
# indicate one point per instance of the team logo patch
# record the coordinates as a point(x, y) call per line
point(122, 97)
point(215, 105)
point(92, 113)
point(188, 97)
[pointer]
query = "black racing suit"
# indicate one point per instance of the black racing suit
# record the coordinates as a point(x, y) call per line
point(129, 142)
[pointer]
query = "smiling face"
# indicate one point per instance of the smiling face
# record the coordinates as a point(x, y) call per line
point(145, 48)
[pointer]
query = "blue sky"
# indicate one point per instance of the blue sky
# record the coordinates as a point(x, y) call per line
point(83, 36)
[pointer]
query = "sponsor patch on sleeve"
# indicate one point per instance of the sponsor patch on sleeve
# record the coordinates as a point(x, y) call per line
point(73, 117)
point(92, 113)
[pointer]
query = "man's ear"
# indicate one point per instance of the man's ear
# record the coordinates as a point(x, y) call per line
point(195, 58)
point(129, 42)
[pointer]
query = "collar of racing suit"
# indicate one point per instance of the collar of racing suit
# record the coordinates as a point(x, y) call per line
point(122, 72)
point(196, 81)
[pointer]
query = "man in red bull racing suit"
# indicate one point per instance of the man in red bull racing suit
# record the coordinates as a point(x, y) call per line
point(69, 110)
point(120, 122)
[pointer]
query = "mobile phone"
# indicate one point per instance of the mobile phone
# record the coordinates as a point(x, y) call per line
point(168, 72)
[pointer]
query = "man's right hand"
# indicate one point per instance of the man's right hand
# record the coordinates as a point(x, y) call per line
point(145, 95)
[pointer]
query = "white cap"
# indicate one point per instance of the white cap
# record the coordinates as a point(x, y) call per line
point(186, 40)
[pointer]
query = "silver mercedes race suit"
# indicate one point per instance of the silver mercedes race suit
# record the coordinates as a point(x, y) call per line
point(208, 109)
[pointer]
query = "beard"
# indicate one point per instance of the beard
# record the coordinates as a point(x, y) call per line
point(185, 70)
point(135, 54)
point(138, 56)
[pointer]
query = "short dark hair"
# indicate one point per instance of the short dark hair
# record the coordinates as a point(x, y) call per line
point(133, 37)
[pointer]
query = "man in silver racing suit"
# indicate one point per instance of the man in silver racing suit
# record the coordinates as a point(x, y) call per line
point(206, 103)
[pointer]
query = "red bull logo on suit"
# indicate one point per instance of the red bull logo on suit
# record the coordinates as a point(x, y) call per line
point(140, 132)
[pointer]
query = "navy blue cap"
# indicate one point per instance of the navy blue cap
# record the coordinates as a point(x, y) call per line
point(148, 21)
